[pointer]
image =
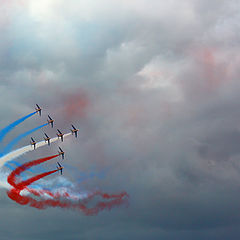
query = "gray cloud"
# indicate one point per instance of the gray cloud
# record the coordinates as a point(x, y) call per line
point(153, 87)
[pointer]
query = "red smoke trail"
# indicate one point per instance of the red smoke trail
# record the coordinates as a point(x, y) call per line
point(23, 184)
point(59, 199)
point(24, 167)
point(67, 195)
point(14, 194)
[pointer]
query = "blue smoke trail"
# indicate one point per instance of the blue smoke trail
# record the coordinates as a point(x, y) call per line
point(8, 128)
point(9, 147)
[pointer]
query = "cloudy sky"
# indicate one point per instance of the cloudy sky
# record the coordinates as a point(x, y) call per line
point(153, 87)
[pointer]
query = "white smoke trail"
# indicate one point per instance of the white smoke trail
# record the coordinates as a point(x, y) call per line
point(55, 190)
point(20, 151)
point(3, 181)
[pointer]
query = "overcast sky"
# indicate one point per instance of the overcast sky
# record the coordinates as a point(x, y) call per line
point(153, 87)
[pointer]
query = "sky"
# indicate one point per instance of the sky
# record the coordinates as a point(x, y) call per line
point(153, 87)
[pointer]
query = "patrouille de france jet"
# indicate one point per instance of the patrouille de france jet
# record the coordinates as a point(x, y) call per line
point(50, 121)
point(59, 167)
point(74, 131)
point(60, 135)
point(47, 139)
point(33, 143)
point(61, 152)
point(38, 109)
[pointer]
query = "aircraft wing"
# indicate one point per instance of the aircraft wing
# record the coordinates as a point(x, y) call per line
point(59, 131)
point(37, 105)
point(46, 135)
point(32, 139)
point(49, 117)
point(73, 127)
point(59, 164)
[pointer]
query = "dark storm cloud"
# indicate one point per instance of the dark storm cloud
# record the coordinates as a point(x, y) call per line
point(156, 91)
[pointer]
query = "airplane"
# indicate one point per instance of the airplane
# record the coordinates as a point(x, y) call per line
point(59, 167)
point(38, 109)
point(60, 135)
point(47, 139)
point(61, 152)
point(74, 130)
point(33, 143)
point(50, 120)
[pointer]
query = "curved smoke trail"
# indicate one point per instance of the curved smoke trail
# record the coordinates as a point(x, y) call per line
point(25, 183)
point(24, 167)
point(9, 147)
point(64, 199)
point(8, 128)
point(20, 151)
point(61, 197)
point(17, 164)
point(15, 195)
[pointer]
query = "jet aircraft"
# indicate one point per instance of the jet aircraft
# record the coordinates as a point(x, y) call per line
point(59, 167)
point(60, 135)
point(38, 109)
point(61, 152)
point(33, 143)
point(47, 139)
point(74, 131)
point(50, 121)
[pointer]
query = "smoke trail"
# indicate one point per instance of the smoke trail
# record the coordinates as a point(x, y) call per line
point(8, 128)
point(18, 138)
point(29, 181)
point(18, 152)
point(24, 167)
point(13, 168)
point(13, 164)
point(17, 164)
point(15, 193)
